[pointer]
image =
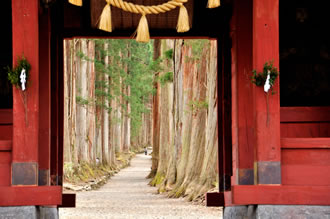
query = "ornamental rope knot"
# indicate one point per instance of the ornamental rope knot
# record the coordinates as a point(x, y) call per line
point(143, 30)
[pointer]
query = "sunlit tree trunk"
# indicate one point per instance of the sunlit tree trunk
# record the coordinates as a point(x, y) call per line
point(67, 86)
point(73, 105)
point(198, 111)
point(81, 110)
point(185, 69)
point(91, 107)
point(98, 115)
point(188, 121)
point(105, 119)
point(208, 173)
point(126, 133)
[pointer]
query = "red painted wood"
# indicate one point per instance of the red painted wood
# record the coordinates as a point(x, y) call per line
point(234, 98)
point(44, 92)
point(6, 116)
point(281, 195)
point(228, 198)
point(25, 41)
point(5, 167)
point(324, 129)
point(314, 157)
point(305, 175)
point(305, 143)
point(6, 145)
point(244, 86)
point(305, 130)
point(266, 48)
point(30, 195)
point(6, 132)
point(306, 166)
point(305, 114)
point(305, 122)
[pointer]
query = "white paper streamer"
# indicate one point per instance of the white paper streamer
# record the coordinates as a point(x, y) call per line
point(267, 85)
point(23, 78)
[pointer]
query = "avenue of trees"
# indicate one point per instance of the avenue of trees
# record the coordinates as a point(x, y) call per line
point(121, 96)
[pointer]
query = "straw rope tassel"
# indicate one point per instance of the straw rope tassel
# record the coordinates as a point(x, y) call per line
point(105, 19)
point(142, 32)
point(213, 3)
point(76, 2)
point(183, 20)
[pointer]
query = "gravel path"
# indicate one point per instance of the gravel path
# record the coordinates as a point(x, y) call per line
point(127, 195)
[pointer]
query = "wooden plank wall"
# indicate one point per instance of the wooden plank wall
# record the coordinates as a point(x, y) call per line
point(6, 133)
point(305, 122)
point(305, 144)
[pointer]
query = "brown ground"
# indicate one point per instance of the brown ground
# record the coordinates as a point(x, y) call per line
point(127, 195)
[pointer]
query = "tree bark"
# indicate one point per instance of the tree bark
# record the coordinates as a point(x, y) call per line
point(105, 119)
point(91, 126)
point(155, 115)
point(81, 110)
point(67, 86)
point(188, 120)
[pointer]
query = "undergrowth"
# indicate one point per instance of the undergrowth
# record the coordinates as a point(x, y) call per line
point(84, 172)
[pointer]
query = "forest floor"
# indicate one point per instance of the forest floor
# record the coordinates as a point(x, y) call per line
point(128, 195)
point(85, 177)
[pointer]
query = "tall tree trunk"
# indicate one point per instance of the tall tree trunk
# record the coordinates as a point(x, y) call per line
point(188, 120)
point(67, 87)
point(105, 119)
point(198, 110)
point(126, 135)
point(186, 69)
point(81, 110)
point(208, 174)
point(73, 105)
point(98, 114)
point(155, 115)
point(91, 107)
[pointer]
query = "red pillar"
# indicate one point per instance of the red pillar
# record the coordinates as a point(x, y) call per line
point(242, 92)
point(44, 99)
point(26, 119)
point(267, 164)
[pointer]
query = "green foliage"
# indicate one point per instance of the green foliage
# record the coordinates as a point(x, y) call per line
point(260, 78)
point(166, 78)
point(169, 54)
point(197, 47)
point(14, 74)
point(196, 105)
point(131, 67)
point(81, 101)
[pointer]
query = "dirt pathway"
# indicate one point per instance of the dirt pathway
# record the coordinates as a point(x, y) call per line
point(127, 195)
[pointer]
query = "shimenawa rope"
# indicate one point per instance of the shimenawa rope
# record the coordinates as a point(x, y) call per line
point(143, 30)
